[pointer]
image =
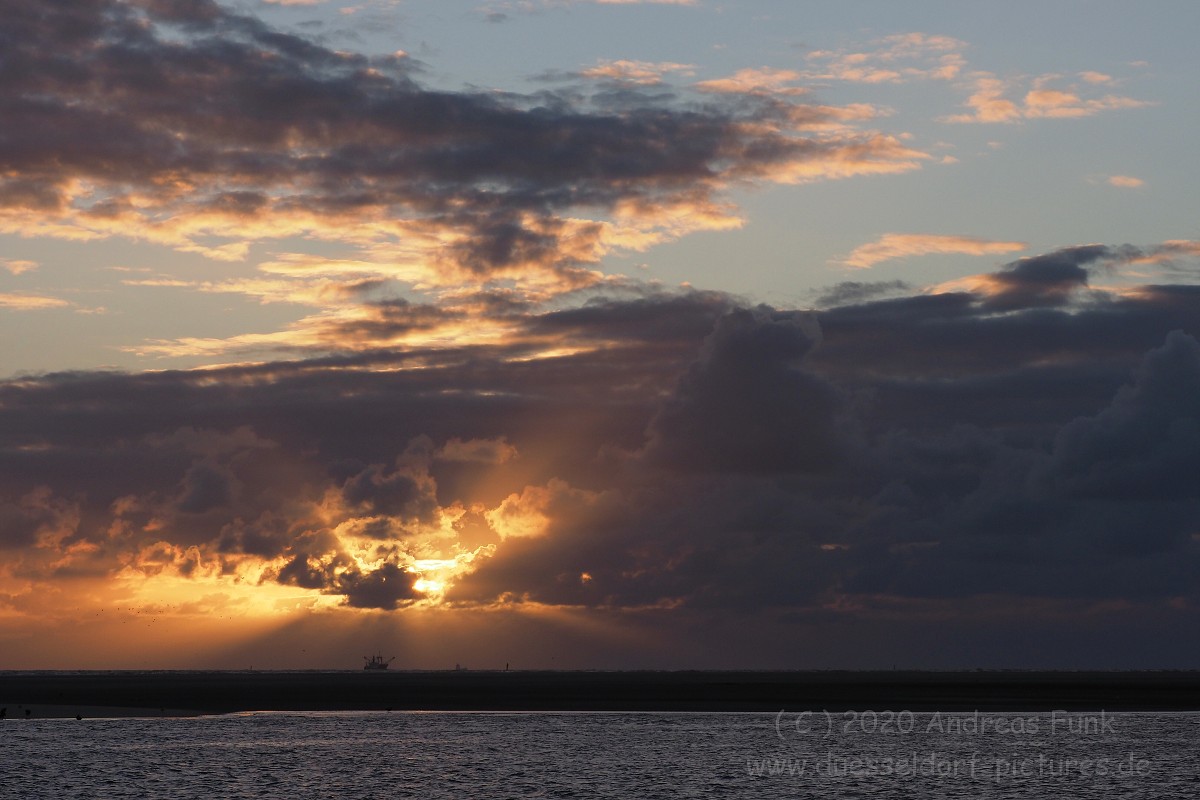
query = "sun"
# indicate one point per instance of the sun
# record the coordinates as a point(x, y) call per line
point(429, 586)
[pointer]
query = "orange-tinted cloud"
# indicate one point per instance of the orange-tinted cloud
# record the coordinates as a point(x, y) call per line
point(1125, 181)
point(18, 266)
point(988, 103)
point(903, 245)
point(763, 80)
point(30, 302)
point(483, 451)
point(994, 100)
point(644, 73)
point(894, 59)
point(1167, 253)
point(364, 156)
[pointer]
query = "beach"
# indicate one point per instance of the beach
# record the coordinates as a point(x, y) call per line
point(178, 693)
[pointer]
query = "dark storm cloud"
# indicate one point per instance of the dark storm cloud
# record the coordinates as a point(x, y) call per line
point(18, 525)
point(687, 317)
point(395, 494)
point(1046, 280)
point(404, 492)
point(214, 119)
point(683, 450)
point(242, 461)
point(1032, 311)
point(1108, 508)
point(23, 519)
point(378, 321)
point(316, 561)
point(983, 500)
point(313, 557)
point(205, 488)
point(746, 405)
point(385, 587)
point(1146, 444)
point(850, 292)
point(937, 516)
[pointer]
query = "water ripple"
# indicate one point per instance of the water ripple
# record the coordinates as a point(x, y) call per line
point(573, 755)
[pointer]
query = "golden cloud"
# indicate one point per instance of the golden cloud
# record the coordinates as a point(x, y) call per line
point(642, 73)
point(532, 512)
point(763, 81)
point(895, 59)
point(30, 302)
point(17, 266)
point(1125, 181)
point(903, 245)
point(990, 101)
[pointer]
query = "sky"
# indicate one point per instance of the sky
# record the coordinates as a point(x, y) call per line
point(599, 334)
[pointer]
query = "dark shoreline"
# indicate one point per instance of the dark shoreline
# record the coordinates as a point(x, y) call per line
point(224, 692)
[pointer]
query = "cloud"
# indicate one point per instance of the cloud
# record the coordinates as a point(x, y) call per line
point(1166, 253)
point(644, 73)
point(533, 511)
point(988, 103)
point(746, 405)
point(903, 245)
point(852, 292)
point(1125, 181)
point(18, 266)
point(296, 140)
point(1037, 311)
point(1045, 280)
point(914, 56)
point(482, 451)
point(686, 452)
point(386, 587)
point(763, 80)
point(406, 493)
point(1146, 442)
point(894, 59)
point(992, 100)
point(501, 10)
point(205, 487)
point(349, 323)
point(30, 302)
point(36, 519)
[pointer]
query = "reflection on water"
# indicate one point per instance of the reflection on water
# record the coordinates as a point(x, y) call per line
point(621, 755)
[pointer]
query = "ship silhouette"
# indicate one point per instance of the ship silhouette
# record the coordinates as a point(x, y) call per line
point(377, 662)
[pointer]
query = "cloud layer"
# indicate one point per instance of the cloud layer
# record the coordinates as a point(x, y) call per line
point(188, 125)
point(1030, 437)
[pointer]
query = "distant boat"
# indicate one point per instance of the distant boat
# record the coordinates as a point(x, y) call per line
point(377, 662)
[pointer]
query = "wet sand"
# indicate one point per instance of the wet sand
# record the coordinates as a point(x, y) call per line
point(95, 694)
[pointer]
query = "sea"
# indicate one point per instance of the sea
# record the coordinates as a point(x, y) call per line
point(810, 754)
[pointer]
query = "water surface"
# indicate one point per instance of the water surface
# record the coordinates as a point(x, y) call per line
point(300, 755)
